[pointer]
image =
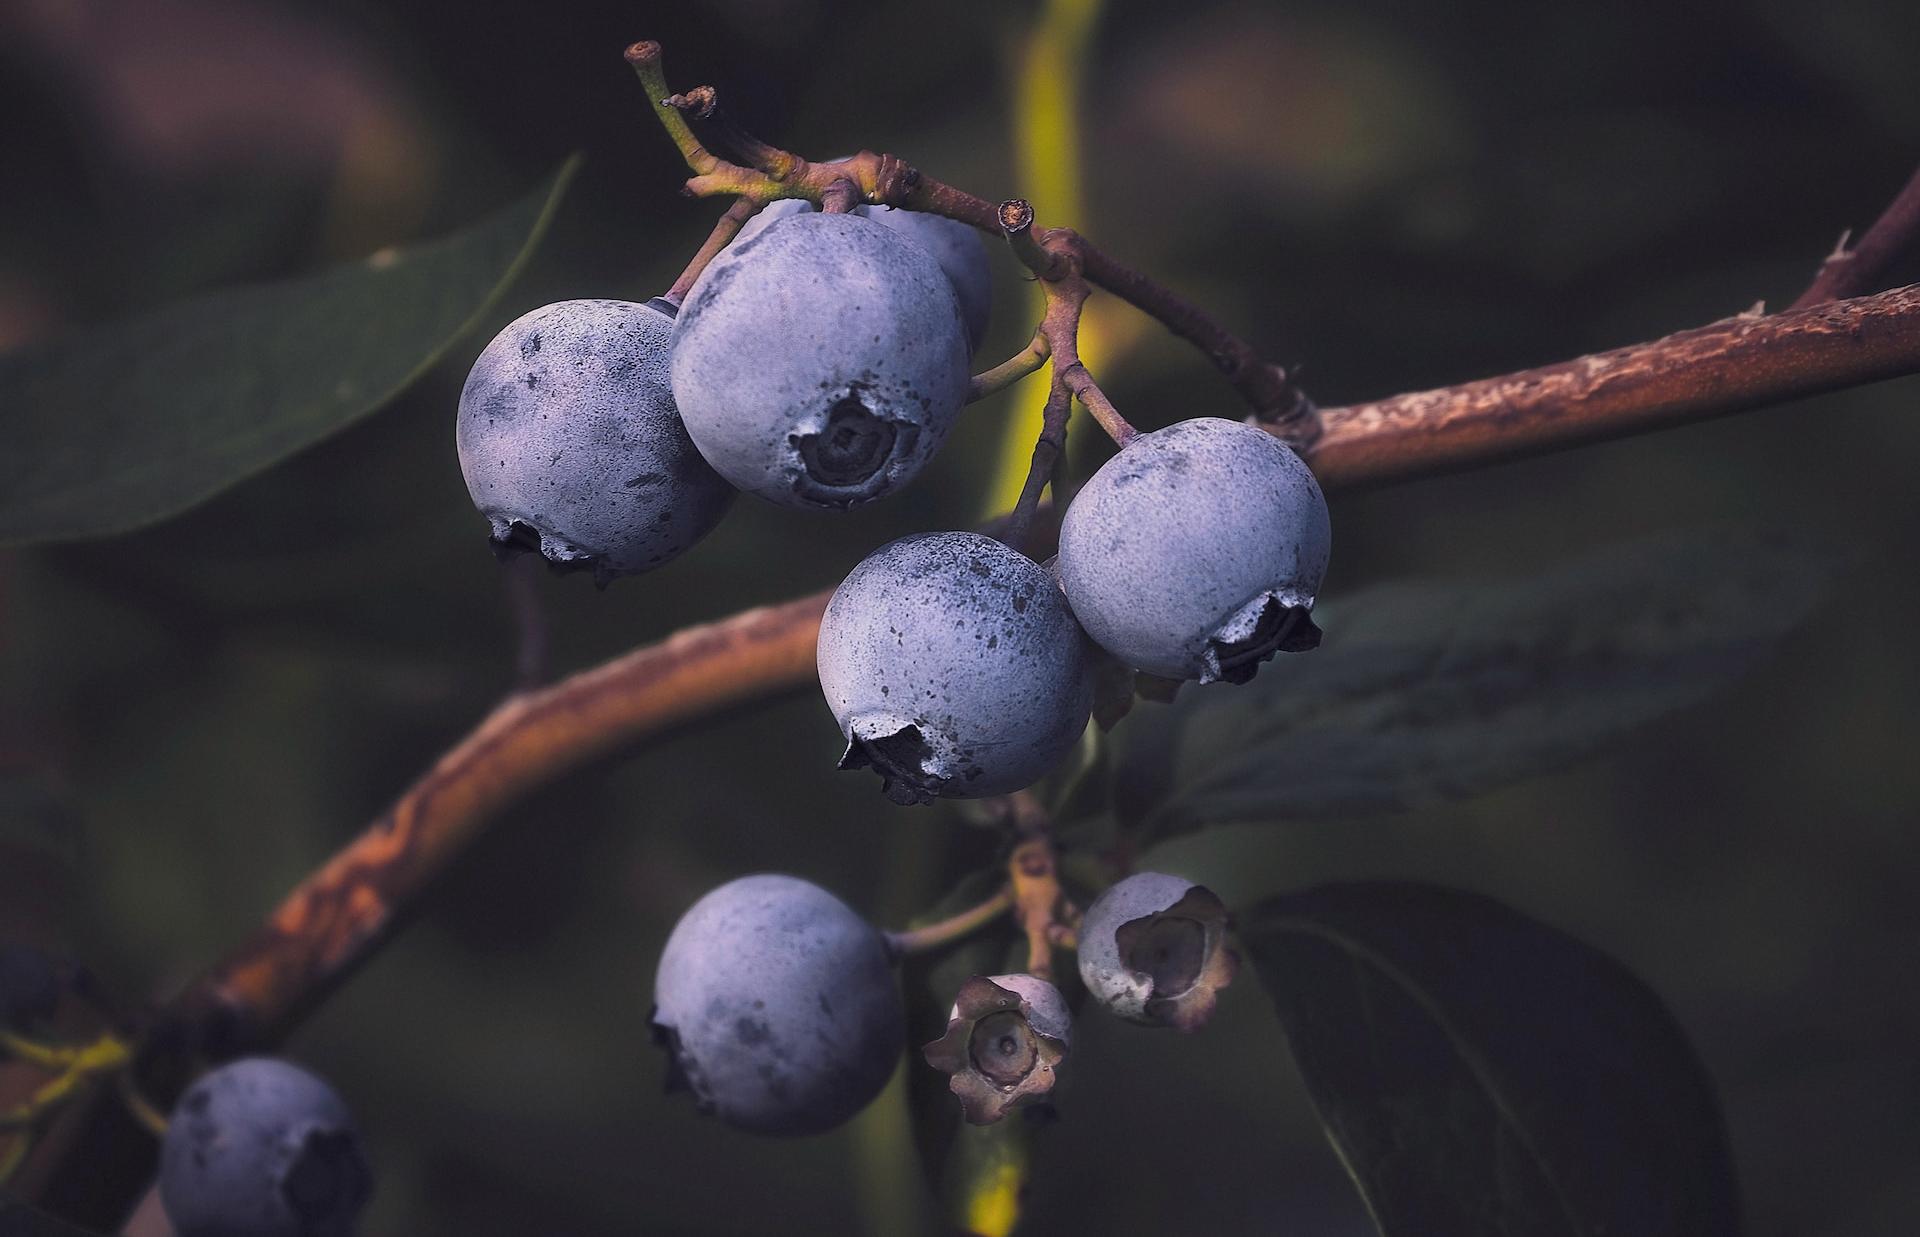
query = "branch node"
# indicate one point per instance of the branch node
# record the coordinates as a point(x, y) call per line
point(1016, 224)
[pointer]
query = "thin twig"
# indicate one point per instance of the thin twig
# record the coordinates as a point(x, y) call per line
point(1048, 450)
point(1009, 371)
point(946, 931)
point(1066, 298)
point(717, 132)
point(533, 638)
point(644, 56)
point(1852, 271)
point(1016, 224)
point(882, 179)
point(724, 230)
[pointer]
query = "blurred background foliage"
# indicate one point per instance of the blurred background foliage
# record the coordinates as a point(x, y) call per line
point(1397, 196)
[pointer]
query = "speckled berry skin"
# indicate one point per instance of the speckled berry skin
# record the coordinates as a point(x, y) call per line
point(262, 1148)
point(955, 246)
point(1149, 922)
point(569, 439)
point(1197, 551)
point(778, 1005)
point(821, 362)
point(953, 667)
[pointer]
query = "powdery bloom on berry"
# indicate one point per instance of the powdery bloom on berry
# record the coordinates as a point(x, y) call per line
point(1153, 950)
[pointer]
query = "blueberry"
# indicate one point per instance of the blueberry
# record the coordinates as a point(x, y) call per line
point(1197, 551)
point(821, 362)
point(953, 667)
point(1153, 950)
point(570, 441)
point(1005, 1041)
point(955, 246)
point(778, 1006)
point(262, 1148)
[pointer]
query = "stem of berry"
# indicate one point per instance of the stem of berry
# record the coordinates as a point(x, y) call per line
point(1049, 451)
point(1055, 259)
point(1011, 370)
point(1849, 271)
point(533, 660)
point(956, 927)
point(1037, 896)
point(839, 197)
point(884, 180)
point(724, 231)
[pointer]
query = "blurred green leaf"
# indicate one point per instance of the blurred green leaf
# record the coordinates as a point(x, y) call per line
point(132, 422)
point(1483, 1074)
point(1439, 690)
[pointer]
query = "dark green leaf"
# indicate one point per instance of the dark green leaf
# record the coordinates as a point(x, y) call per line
point(133, 422)
point(1429, 691)
point(1484, 1075)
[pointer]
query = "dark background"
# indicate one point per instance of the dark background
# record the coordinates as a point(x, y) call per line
point(1398, 196)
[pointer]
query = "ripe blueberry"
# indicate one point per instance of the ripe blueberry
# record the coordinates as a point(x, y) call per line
point(953, 667)
point(778, 1006)
point(1005, 1041)
point(821, 362)
point(955, 246)
point(1196, 552)
point(1153, 950)
point(570, 441)
point(262, 1148)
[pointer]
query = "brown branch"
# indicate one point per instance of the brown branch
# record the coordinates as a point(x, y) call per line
point(1726, 367)
point(339, 915)
point(1850, 272)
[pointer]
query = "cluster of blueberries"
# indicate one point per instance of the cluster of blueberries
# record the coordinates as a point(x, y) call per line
point(777, 1002)
point(819, 362)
